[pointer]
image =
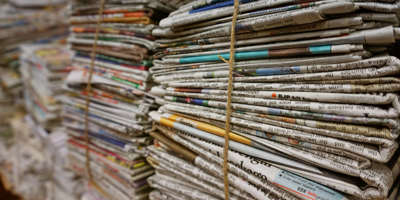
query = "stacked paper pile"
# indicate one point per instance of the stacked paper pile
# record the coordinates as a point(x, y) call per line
point(316, 109)
point(37, 151)
point(119, 100)
point(20, 26)
point(25, 25)
point(35, 164)
point(43, 69)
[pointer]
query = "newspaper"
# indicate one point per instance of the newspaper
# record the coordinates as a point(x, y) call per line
point(341, 86)
point(314, 97)
point(196, 67)
point(278, 70)
point(119, 101)
point(270, 53)
point(235, 168)
point(189, 18)
point(241, 161)
point(246, 150)
point(370, 37)
point(234, 180)
point(318, 126)
point(301, 141)
point(329, 108)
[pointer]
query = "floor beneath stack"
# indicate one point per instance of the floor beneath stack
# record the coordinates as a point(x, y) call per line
point(5, 194)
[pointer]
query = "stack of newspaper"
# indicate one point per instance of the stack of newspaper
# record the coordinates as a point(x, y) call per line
point(316, 109)
point(36, 165)
point(23, 25)
point(43, 69)
point(20, 26)
point(120, 101)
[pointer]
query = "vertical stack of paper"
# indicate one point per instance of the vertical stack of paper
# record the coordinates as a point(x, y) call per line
point(37, 155)
point(43, 69)
point(23, 25)
point(315, 103)
point(119, 100)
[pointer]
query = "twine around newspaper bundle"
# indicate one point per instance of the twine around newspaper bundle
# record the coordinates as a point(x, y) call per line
point(229, 94)
point(88, 89)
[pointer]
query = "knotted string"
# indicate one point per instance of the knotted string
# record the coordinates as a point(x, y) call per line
point(88, 91)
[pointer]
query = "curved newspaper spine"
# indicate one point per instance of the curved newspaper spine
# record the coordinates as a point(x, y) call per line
point(308, 115)
point(121, 38)
point(329, 24)
point(391, 69)
point(323, 151)
point(248, 15)
point(316, 107)
point(383, 154)
point(277, 96)
point(106, 116)
point(108, 43)
point(384, 35)
point(211, 14)
point(328, 49)
point(253, 41)
point(102, 98)
point(109, 67)
point(352, 110)
point(80, 104)
point(374, 99)
point(356, 132)
point(300, 16)
point(195, 5)
point(263, 63)
point(382, 17)
point(72, 114)
point(77, 77)
point(297, 87)
point(199, 33)
point(276, 70)
point(187, 69)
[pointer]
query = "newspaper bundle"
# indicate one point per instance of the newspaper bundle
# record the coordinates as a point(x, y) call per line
point(37, 151)
point(315, 101)
point(120, 97)
point(43, 69)
point(23, 26)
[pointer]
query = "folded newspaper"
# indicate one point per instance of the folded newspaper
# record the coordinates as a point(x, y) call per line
point(120, 98)
point(315, 101)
